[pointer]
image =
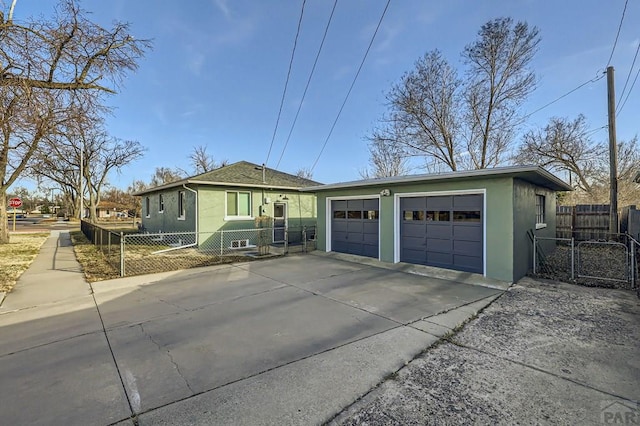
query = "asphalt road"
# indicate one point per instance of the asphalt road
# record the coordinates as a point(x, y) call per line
point(38, 224)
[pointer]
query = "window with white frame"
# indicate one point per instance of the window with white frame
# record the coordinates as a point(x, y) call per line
point(181, 205)
point(238, 204)
point(160, 203)
point(147, 206)
point(540, 211)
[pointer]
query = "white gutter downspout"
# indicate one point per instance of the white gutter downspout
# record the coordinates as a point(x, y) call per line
point(196, 218)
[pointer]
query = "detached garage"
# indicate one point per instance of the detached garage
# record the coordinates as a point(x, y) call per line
point(471, 221)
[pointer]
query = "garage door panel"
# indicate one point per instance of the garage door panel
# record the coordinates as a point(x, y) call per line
point(418, 255)
point(370, 250)
point(467, 233)
point(353, 231)
point(370, 205)
point(413, 228)
point(439, 259)
point(454, 242)
point(370, 227)
point(413, 203)
point(339, 246)
point(354, 226)
point(467, 247)
point(439, 203)
point(371, 239)
point(339, 226)
point(440, 245)
point(339, 205)
point(417, 243)
point(355, 205)
point(439, 232)
point(465, 201)
point(467, 263)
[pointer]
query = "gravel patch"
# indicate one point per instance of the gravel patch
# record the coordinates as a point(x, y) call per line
point(543, 353)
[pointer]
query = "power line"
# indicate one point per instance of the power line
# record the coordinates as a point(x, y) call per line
point(326, 30)
point(627, 80)
point(629, 92)
point(593, 80)
point(324, 145)
point(618, 33)
point(286, 84)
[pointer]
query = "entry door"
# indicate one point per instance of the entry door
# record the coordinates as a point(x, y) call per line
point(279, 221)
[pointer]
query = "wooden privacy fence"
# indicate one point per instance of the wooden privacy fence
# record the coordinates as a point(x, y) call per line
point(591, 222)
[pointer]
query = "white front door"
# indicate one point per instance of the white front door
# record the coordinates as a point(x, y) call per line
point(279, 221)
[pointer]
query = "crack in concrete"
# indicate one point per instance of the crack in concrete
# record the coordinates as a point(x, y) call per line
point(538, 369)
point(168, 353)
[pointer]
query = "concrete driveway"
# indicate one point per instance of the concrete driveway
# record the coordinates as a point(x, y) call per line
point(289, 340)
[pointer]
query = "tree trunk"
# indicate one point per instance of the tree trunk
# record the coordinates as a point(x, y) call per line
point(4, 217)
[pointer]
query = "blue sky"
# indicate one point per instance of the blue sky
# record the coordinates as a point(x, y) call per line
point(217, 71)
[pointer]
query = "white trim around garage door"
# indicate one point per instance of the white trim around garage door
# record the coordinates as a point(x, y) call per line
point(329, 216)
point(396, 218)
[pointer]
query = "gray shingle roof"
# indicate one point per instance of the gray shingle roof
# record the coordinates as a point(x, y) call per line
point(242, 173)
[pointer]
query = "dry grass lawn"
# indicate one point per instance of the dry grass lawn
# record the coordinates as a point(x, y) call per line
point(94, 264)
point(16, 257)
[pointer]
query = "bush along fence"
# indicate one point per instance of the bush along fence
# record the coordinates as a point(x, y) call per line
point(136, 253)
point(614, 262)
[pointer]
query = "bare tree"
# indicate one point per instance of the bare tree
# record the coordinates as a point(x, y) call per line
point(203, 162)
point(422, 118)
point(59, 161)
point(51, 69)
point(304, 173)
point(498, 81)
point(566, 145)
point(463, 124)
point(386, 157)
point(164, 175)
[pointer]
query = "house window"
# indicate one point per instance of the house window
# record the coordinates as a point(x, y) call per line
point(540, 219)
point(181, 207)
point(147, 205)
point(238, 204)
point(160, 203)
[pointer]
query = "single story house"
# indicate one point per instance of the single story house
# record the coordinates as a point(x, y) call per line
point(478, 221)
point(229, 198)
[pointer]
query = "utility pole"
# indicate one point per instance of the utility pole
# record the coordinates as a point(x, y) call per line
point(613, 153)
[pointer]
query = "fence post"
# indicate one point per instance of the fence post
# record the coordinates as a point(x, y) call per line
point(122, 273)
point(535, 258)
point(286, 239)
point(573, 259)
point(304, 238)
point(221, 242)
point(109, 244)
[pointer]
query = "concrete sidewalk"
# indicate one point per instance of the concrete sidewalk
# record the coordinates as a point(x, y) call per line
point(54, 275)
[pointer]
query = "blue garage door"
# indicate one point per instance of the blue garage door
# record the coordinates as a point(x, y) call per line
point(354, 227)
point(443, 231)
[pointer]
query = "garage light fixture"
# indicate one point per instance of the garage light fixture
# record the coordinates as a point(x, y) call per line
point(385, 192)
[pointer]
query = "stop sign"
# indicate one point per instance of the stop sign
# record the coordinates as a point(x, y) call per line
point(15, 202)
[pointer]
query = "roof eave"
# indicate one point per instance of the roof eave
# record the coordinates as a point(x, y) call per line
point(553, 182)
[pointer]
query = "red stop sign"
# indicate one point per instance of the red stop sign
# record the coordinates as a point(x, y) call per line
point(15, 202)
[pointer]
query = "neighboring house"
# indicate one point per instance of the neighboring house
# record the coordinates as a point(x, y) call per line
point(229, 198)
point(109, 210)
point(479, 221)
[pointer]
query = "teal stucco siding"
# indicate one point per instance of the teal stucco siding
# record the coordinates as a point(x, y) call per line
point(510, 211)
point(524, 221)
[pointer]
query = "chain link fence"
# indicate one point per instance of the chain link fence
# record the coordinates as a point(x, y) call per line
point(144, 253)
point(609, 263)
